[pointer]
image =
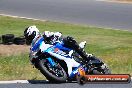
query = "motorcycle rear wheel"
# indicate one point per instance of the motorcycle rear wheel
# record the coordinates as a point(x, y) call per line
point(45, 70)
point(104, 70)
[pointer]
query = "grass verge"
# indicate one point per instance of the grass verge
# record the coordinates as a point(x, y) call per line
point(18, 67)
point(113, 46)
point(121, 1)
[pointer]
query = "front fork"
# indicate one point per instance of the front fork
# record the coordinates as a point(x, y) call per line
point(51, 61)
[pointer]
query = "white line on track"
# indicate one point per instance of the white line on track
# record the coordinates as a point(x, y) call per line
point(21, 17)
point(14, 81)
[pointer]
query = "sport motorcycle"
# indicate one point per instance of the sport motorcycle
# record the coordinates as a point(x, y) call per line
point(55, 64)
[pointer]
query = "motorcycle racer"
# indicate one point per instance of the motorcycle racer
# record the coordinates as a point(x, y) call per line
point(33, 35)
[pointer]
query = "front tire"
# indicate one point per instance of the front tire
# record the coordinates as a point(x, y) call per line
point(44, 68)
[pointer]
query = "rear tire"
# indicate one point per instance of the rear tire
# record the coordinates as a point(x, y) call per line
point(7, 39)
point(19, 41)
point(51, 77)
point(0, 39)
point(105, 70)
point(98, 72)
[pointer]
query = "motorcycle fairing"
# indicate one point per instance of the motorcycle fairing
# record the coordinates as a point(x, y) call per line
point(37, 44)
point(75, 71)
point(51, 50)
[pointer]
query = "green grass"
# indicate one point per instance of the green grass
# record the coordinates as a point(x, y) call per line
point(18, 67)
point(113, 46)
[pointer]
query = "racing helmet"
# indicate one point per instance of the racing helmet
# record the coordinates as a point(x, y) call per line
point(30, 33)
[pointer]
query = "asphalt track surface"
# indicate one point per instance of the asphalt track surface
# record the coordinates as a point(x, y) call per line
point(45, 84)
point(86, 12)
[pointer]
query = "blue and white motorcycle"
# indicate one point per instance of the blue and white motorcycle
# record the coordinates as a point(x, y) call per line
point(59, 66)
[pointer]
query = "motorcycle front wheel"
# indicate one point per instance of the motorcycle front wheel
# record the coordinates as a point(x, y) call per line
point(54, 74)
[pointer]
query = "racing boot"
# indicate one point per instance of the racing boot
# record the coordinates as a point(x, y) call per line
point(82, 44)
point(81, 51)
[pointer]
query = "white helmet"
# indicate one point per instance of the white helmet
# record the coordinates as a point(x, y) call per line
point(30, 33)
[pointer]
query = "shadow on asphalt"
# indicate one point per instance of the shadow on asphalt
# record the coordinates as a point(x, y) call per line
point(45, 82)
